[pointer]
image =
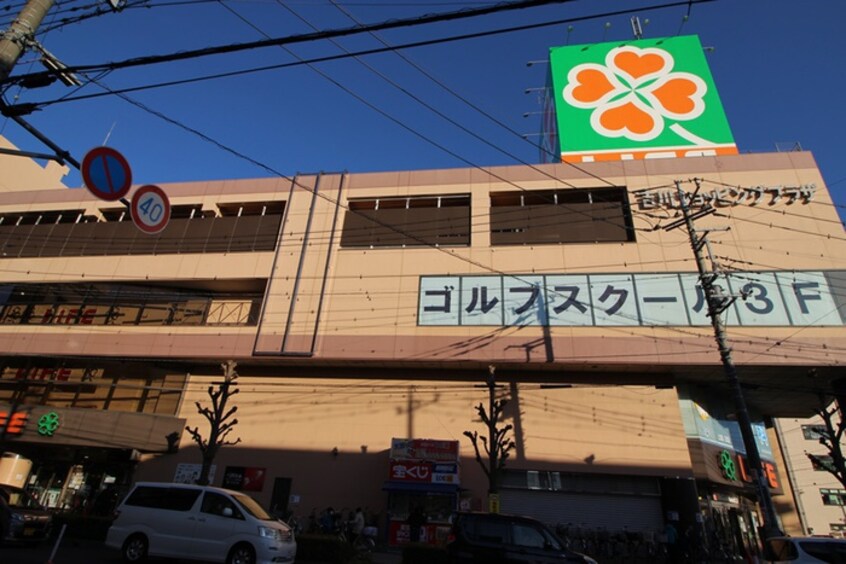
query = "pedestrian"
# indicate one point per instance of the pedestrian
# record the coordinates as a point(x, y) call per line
point(671, 538)
point(357, 523)
point(327, 521)
point(416, 520)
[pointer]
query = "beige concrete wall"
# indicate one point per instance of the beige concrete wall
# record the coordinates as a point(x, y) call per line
point(291, 426)
point(807, 482)
point(22, 174)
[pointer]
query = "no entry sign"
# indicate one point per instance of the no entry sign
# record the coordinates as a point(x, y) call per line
point(150, 209)
point(106, 173)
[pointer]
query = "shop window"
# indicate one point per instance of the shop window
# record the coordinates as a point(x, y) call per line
point(125, 304)
point(833, 496)
point(813, 432)
point(92, 388)
point(560, 216)
point(407, 222)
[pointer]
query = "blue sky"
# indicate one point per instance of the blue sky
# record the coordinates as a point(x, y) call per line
point(777, 64)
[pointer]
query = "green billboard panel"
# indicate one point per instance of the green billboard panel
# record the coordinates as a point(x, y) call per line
point(648, 98)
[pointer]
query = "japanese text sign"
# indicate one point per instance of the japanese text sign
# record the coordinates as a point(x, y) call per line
point(671, 299)
point(424, 449)
point(637, 99)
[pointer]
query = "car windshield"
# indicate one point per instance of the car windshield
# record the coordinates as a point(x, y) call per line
point(252, 507)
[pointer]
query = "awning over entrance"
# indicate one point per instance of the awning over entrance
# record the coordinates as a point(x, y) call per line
point(420, 487)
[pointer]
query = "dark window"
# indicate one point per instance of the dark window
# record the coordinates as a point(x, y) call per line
point(833, 497)
point(128, 304)
point(488, 530)
point(813, 432)
point(244, 227)
point(407, 222)
point(171, 498)
point(781, 550)
point(561, 216)
point(526, 535)
point(822, 463)
point(827, 551)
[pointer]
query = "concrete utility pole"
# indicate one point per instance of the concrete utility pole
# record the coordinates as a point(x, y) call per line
point(717, 303)
point(14, 40)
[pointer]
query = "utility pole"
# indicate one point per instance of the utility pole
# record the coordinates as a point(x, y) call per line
point(717, 302)
point(22, 30)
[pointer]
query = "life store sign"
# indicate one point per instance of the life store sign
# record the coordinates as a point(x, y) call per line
point(776, 299)
point(650, 98)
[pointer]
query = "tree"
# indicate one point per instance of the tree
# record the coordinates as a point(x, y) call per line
point(218, 417)
point(497, 444)
point(830, 437)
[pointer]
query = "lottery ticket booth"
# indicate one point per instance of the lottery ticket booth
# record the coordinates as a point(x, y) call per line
point(424, 478)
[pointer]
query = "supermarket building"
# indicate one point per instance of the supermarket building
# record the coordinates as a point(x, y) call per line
point(362, 309)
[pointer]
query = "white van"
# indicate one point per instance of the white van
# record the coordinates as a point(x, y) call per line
point(199, 523)
point(805, 550)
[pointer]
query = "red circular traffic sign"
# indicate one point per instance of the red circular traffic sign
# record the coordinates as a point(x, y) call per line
point(150, 209)
point(106, 173)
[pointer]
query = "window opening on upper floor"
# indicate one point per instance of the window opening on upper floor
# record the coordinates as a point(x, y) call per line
point(532, 217)
point(418, 221)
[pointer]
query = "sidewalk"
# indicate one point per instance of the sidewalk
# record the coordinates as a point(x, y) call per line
point(386, 556)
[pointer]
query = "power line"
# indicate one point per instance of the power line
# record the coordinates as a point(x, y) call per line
point(314, 36)
point(156, 59)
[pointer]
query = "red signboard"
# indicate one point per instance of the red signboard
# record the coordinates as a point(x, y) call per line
point(424, 449)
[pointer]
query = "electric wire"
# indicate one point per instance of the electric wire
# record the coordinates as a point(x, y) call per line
point(333, 33)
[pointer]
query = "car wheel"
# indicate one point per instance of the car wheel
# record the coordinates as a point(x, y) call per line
point(241, 554)
point(135, 548)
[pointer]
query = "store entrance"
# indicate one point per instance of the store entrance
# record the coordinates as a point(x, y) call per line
point(77, 480)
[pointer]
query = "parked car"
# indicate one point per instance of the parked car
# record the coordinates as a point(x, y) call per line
point(805, 550)
point(199, 523)
point(499, 539)
point(22, 518)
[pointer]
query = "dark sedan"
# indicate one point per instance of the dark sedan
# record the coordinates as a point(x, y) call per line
point(22, 518)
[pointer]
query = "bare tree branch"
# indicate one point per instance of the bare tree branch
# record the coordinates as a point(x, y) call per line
point(217, 415)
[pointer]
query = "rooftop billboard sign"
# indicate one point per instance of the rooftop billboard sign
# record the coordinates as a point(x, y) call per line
point(650, 98)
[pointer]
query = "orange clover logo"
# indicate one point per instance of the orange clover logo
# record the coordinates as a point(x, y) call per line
point(635, 92)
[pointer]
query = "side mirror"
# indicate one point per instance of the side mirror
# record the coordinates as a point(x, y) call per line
point(227, 512)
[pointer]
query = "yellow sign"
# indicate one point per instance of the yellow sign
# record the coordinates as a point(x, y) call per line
point(493, 503)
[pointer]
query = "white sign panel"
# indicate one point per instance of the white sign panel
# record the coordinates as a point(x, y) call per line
point(775, 299)
point(808, 299)
point(188, 473)
point(761, 302)
point(569, 300)
point(661, 300)
point(481, 300)
point(614, 300)
point(525, 301)
point(437, 294)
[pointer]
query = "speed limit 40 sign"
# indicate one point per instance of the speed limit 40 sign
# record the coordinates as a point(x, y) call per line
point(150, 209)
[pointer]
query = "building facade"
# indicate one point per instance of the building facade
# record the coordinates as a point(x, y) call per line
point(820, 497)
point(369, 314)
